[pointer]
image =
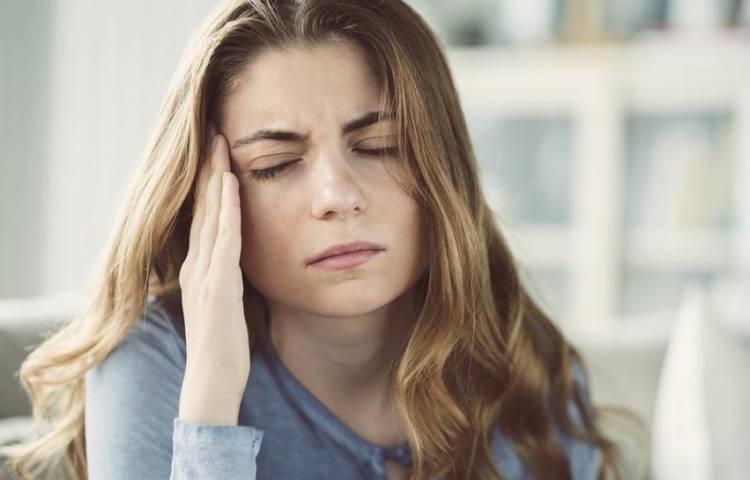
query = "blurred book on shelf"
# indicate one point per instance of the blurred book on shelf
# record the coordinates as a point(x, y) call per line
point(523, 165)
point(537, 22)
point(611, 142)
point(680, 171)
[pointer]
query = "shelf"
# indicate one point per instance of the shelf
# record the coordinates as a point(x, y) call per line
point(625, 330)
point(683, 250)
point(549, 246)
point(598, 90)
point(650, 76)
point(540, 245)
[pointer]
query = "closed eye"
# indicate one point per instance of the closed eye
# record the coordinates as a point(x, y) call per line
point(266, 173)
point(377, 152)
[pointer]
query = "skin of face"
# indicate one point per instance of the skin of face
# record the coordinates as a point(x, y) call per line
point(333, 194)
point(335, 330)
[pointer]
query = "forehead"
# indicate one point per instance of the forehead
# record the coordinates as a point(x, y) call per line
point(323, 79)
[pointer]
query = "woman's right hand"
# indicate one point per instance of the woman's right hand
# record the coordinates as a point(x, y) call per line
point(216, 333)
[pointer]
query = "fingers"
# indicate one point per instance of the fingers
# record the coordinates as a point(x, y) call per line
point(212, 203)
point(204, 174)
point(226, 252)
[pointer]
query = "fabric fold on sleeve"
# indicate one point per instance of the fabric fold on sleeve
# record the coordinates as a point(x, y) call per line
point(214, 452)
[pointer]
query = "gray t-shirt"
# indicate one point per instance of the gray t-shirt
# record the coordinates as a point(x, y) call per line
point(133, 430)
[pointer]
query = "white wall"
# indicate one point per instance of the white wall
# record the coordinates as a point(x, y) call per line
point(81, 85)
point(24, 98)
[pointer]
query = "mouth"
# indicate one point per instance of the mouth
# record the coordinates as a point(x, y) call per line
point(346, 260)
point(344, 249)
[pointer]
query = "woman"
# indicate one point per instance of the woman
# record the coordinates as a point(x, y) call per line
point(225, 339)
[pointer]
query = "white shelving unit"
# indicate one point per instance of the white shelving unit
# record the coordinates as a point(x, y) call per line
point(598, 88)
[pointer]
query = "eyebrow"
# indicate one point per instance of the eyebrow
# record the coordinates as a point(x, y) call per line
point(359, 123)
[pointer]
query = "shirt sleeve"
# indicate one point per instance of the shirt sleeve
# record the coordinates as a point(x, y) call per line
point(214, 451)
point(132, 428)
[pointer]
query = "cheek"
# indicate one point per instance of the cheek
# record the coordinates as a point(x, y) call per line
point(414, 225)
point(405, 221)
point(261, 228)
point(266, 238)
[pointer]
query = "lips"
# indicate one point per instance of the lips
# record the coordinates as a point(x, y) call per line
point(343, 249)
point(346, 260)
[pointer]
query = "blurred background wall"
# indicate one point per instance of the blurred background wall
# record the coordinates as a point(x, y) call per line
point(613, 140)
point(81, 85)
point(24, 103)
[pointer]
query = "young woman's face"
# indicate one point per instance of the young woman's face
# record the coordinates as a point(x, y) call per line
point(329, 192)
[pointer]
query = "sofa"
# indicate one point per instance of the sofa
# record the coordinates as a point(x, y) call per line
point(24, 322)
point(684, 373)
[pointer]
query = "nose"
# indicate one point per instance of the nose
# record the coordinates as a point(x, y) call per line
point(337, 189)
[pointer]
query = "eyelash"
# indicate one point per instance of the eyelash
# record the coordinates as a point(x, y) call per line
point(266, 173)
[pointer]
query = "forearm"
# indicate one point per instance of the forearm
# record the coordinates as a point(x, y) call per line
point(204, 401)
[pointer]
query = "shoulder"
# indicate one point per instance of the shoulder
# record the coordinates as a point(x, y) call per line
point(158, 326)
point(151, 346)
point(132, 424)
point(131, 400)
point(583, 456)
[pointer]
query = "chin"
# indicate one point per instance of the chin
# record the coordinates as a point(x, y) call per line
point(342, 303)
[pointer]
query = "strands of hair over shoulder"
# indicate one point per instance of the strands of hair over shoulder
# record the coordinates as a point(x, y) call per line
point(479, 355)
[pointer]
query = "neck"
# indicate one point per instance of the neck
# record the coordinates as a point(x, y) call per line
point(344, 361)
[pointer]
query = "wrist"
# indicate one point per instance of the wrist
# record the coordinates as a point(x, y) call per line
point(207, 403)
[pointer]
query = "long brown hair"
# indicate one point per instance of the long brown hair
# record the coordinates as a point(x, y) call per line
point(480, 354)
